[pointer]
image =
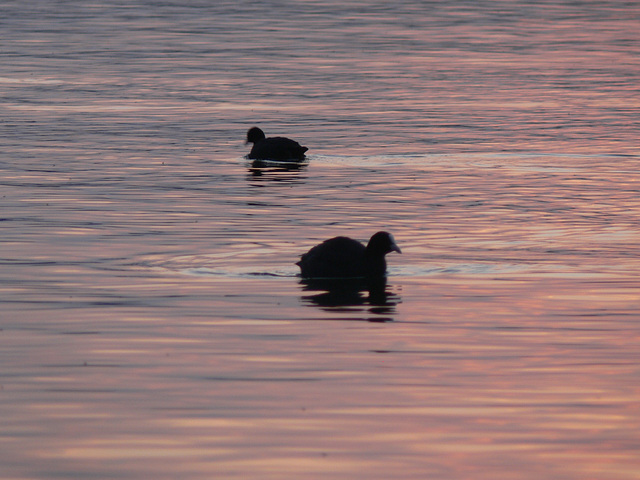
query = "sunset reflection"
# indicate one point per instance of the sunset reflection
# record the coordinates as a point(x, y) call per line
point(154, 322)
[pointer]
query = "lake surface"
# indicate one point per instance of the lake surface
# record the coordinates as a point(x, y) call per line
point(153, 321)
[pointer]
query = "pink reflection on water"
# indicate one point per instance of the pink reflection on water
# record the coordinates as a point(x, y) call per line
point(153, 325)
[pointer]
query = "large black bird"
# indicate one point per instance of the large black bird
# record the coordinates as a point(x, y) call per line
point(274, 148)
point(343, 257)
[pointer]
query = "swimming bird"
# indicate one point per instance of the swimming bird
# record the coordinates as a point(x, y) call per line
point(274, 148)
point(344, 257)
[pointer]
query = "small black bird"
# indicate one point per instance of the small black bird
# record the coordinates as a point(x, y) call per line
point(274, 148)
point(343, 257)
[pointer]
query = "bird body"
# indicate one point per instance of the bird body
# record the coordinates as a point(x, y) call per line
point(343, 257)
point(274, 148)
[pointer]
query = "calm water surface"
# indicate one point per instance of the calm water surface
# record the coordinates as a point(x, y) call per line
point(153, 324)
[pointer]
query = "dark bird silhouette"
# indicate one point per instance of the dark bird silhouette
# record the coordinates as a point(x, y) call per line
point(343, 257)
point(274, 148)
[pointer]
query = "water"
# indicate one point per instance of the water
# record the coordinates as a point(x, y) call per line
point(153, 324)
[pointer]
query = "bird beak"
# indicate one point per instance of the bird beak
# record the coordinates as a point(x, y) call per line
point(395, 248)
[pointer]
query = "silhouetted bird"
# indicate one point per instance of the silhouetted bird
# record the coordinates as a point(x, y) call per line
point(274, 148)
point(343, 257)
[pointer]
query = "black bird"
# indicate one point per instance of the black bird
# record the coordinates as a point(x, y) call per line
point(343, 257)
point(274, 148)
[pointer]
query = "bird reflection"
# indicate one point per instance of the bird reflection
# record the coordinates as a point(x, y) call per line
point(341, 294)
point(274, 170)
